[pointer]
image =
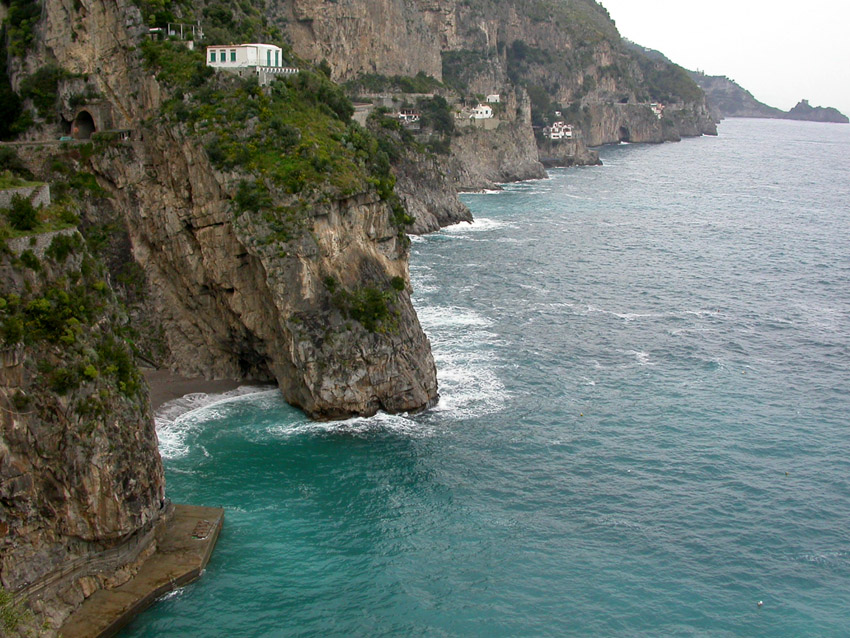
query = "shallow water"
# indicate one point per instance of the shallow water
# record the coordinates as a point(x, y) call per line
point(643, 428)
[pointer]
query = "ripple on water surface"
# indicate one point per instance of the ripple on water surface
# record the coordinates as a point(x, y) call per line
point(642, 428)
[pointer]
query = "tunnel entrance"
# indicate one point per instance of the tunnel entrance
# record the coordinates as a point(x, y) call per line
point(625, 136)
point(83, 126)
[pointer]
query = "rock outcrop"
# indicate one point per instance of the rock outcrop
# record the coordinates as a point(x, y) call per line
point(808, 113)
point(81, 481)
point(234, 305)
point(566, 153)
point(428, 193)
point(483, 158)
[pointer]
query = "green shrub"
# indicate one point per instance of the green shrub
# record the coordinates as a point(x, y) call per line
point(252, 196)
point(21, 401)
point(376, 83)
point(29, 260)
point(10, 161)
point(370, 306)
point(437, 114)
point(22, 214)
point(22, 17)
point(42, 87)
point(61, 246)
point(83, 183)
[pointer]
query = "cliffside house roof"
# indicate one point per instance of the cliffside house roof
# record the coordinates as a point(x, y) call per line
point(481, 112)
point(494, 98)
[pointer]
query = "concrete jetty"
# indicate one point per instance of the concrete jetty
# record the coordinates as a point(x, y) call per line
point(182, 554)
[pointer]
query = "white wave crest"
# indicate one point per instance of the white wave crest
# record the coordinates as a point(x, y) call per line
point(437, 317)
point(176, 420)
point(641, 357)
point(380, 423)
point(481, 224)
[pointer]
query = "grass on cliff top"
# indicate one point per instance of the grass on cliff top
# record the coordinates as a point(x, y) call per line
point(58, 216)
point(297, 134)
point(8, 181)
point(75, 316)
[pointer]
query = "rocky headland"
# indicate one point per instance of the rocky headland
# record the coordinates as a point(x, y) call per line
point(729, 99)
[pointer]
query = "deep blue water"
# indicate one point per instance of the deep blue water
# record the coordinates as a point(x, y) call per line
point(643, 431)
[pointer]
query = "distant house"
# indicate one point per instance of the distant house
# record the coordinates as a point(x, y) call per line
point(658, 109)
point(559, 131)
point(481, 112)
point(408, 116)
point(189, 33)
point(265, 59)
point(494, 98)
point(244, 55)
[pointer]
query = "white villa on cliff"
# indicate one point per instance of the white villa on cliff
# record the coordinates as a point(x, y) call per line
point(266, 59)
point(559, 131)
point(481, 112)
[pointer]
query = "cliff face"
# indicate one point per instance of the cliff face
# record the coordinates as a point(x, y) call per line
point(294, 288)
point(567, 56)
point(237, 304)
point(613, 123)
point(429, 194)
point(361, 37)
point(80, 472)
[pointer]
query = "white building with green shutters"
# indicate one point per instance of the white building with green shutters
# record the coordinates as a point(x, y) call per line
point(265, 59)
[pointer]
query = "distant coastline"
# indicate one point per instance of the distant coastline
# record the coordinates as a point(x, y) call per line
point(727, 98)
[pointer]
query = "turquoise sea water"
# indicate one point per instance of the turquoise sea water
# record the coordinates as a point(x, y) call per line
point(644, 427)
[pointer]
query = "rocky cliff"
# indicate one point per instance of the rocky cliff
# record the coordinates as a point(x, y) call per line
point(250, 231)
point(428, 192)
point(81, 482)
point(268, 231)
point(567, 56)
point(483, 157)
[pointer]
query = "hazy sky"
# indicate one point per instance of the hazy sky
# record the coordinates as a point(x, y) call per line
point(780, 51)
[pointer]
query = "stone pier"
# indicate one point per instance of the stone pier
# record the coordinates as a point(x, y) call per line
point(182, 554)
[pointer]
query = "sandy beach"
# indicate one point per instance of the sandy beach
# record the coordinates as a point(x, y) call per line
point(166, 386)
